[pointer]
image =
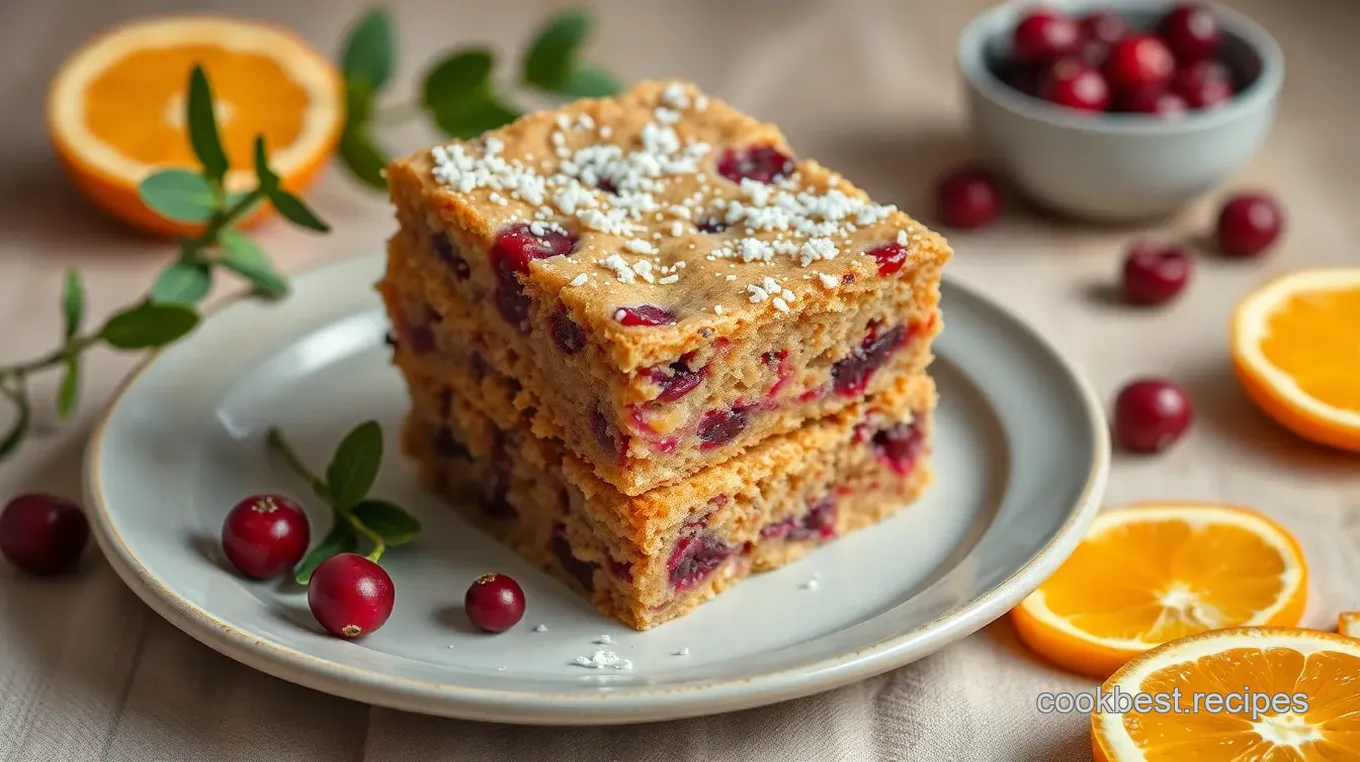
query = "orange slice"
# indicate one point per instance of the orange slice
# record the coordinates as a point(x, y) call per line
point(1148, 574)
point(115, 110)
point(1295, 351)
point(1263, 694)
point(1348, 624)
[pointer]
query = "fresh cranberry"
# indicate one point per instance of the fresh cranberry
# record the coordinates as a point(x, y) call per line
point(581, 571)
point(1248, 224)
point(605, 434)
point(1204, 84)
point(566, 333)
point(676, 380)
point(1154, 274)
point(265, 536)
point(494, 602)
point(1191, 31)
point(1107, 27)
point(646, 314)
point(450, 255)
point(760, 163)
point(967, 198)
point(43, 534)
point(1139, 60)
point(1045, 35)
point(818, 523)
point(1154, 100)
point(890, 257)
point(850, 374)
point(1150, 415)
point(694, 559)
point(718, 427)
point(515, 247)
point(350, 596)
point(1075, 84)
point(901, 444)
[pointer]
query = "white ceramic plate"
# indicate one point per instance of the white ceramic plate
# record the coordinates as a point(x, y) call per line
point(1022, 455)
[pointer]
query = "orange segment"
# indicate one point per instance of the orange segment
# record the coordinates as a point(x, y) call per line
point(1296, 354)
point(1251, 694)
point(116, 107)
point(1152, 573)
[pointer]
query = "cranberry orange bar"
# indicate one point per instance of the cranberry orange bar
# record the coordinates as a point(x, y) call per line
point(667, 284)
point(650, 558)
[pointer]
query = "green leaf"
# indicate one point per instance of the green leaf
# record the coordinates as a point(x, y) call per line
point(149, 325)
point(370, 51)
point(551, 56)
point(463, 75)
point(17, 431)
point(295, 210)
point(72, 302)
point(358, 104)
point(178, 194)
point(341, 539)
point(473, 117)
point(263, 174)
point(243, 257)
point(396, 526)
point(203, 127)
point(587, 81)
point(69, 393)
point(362, 157)
point(183, 282)
point(354, 467)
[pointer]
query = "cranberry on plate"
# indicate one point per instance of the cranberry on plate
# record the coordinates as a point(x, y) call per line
point(265, 535)
point(350, 596)
point(494, 602)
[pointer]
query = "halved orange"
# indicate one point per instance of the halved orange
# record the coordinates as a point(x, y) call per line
point(115, 110)
point(1250, 694)
point(1296, 351)
point(1150, 573)
point(1348, 624)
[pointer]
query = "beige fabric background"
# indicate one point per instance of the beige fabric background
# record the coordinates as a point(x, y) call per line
point(867, 86)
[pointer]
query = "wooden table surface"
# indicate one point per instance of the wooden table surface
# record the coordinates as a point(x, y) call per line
point(867, 87)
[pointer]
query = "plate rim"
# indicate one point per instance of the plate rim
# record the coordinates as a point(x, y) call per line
point(642, 704)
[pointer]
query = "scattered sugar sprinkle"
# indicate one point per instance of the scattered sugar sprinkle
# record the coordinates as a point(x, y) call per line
point(780, 304)
point(669, 279)
point(580, 279)
point(605, 640)
point(619, 315)
point(541, 628)
point(813, 583)
point(683, 652)
point(603, 660)
point(500, 669)
point(829, 281)
point(717, 309)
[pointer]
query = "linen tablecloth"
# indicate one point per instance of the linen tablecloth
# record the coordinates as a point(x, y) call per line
point(866, 86)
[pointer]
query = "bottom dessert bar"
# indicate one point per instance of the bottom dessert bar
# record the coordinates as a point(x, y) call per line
point(653, 557)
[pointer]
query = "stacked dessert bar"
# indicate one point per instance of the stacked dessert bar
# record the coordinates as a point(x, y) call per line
point(651, 351)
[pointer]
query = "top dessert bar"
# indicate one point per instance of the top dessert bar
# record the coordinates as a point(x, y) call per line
point(660, 278)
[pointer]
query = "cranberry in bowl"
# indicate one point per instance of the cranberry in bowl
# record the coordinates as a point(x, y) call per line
point(1150, 105)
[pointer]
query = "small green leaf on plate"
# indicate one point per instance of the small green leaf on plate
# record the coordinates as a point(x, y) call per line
point(552, 55)
point(203, 127)
point(242, 256)
point(341, 539)
point(178, 194)
point(148, 325)
point(19, 429)
point(69, 393)
point(185, 281)
point(72, 302)
point(396, 526)
point(460, 76)
point(369, 53)
point(354, 467)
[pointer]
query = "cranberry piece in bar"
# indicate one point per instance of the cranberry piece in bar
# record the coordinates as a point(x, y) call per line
point(582, 571)
point(718, 427)
point(760, 163)
point(850, 375)
point(646, 314)
point(694, 559)
point(900, 445)
point(448, 253)
point(515, 248)
point(676, 380)
point(890, 257)
point(568, 336)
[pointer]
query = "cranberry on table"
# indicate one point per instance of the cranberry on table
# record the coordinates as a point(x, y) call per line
point(1204, 84)
point(1077, 85)
point(350, 596)
point(1045, 35)
point(1139, 60)
point(1191, 31)
point(1154, 274)
point(265, 535)
point(968, 198)
point(43, 534)
point(494, 602)
point(1156, 101)
point(1248, 224)
point(1150, 415)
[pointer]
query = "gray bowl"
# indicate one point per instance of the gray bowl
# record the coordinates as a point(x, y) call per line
point(1117, 167)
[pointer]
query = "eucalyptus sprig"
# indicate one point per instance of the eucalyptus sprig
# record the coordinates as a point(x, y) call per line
point(168, 312)
point(459, 91)
point(355, 516)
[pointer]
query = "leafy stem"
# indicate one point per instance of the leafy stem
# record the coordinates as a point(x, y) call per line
point(276, 441)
